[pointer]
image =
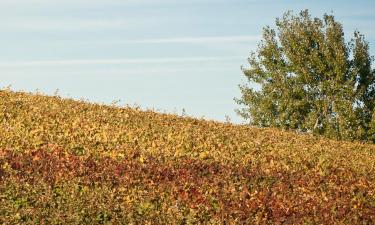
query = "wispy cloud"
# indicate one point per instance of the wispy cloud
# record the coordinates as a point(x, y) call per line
point(191, 40)
point(74, 62)
point(64, 2)
point(81, 2)
point(64, 24)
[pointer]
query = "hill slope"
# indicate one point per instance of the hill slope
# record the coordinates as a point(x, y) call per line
point(74, 162)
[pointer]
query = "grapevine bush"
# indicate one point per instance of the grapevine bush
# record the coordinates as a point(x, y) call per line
point(66, 161)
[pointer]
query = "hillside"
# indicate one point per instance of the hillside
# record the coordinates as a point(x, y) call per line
point(65, 161)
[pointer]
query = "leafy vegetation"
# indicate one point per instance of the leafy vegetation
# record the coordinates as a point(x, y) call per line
point(65, 161)
point(311, 80)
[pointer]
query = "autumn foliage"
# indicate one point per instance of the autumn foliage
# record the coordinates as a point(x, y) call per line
point(65, 161)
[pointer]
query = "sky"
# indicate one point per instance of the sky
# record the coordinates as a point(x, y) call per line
point(166, 55)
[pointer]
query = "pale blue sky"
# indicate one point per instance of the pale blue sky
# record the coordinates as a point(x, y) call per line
point(163, 54)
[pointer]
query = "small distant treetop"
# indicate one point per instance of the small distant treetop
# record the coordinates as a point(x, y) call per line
point(305, 77)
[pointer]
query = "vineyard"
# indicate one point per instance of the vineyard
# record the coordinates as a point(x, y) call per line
point(67, 161)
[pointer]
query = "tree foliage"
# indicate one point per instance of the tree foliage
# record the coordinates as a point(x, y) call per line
point(305, 77)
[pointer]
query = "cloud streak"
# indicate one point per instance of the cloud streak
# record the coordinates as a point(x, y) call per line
point(65, 24)
point(125, 61)
point(121, 2)
point(193, 40)
point(65, 2)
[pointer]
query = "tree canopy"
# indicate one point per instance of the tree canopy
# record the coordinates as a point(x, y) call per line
point(305, 77)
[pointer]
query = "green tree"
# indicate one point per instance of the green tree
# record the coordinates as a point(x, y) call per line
point(305, 77)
